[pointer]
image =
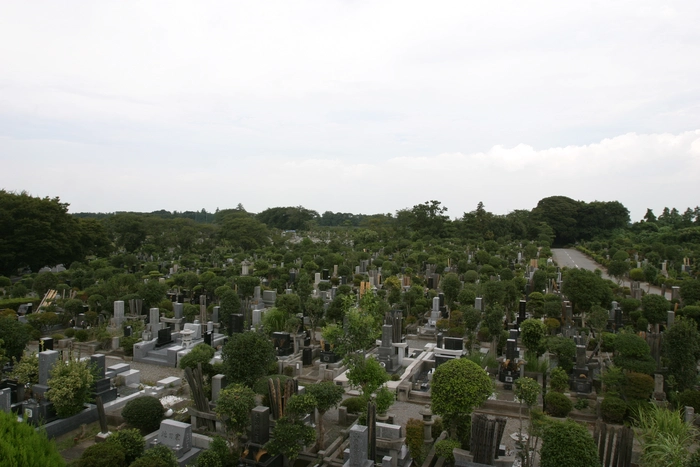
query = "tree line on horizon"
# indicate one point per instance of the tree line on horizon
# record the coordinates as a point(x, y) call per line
point(36, 232)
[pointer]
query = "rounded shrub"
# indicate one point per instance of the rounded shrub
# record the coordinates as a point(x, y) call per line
point(613, 409)
point(82, 335)
point(557, 404)
point(444, 448)
point(144, 413)
point(567, 444)
point(101, 454)
point(208, 459)
point(130, 442)
point(354, 405)
point(70, 332)
point(157, 456)
point(637, 386)
point(559, 380)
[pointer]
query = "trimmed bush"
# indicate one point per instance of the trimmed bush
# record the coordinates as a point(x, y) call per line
point(144, 413)
point(127, 344)
point(208, 459)
point(414, 439)
point(613, 409)
point(21, 445)
point(557, 404)
point(82, 335)
point(157, 456)
point(130, 442)
point(70, 332)
point(355, 405)
point(444, 448)
point(689, 398)
point(101, 454)
point(637, 386)
point(559, 380)
point(567, 444)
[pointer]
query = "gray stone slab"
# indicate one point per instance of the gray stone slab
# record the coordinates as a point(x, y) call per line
point(5, 399)
point(47, 359)
point(176, 435)
point(119, 368)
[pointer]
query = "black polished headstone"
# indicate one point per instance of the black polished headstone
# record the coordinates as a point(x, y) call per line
point(164, 336)
point(236, 323)
point(454, 343)
point(208, 337)
point(307, 356)
point(46, 343)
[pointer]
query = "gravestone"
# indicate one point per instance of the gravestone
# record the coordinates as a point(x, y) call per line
point(659, 393)
point(670, 318)
point(215, 314)
point(5, 400)
point(454, 343)
point(47, 359)
point(387, 357)
point(522, 312)
point(196, 328)
point(479, 303)
point(236, 323)
point(118, 313)
point(260, 425)
point(178, 309)
point(164, 337)
point(45, 343)
point(283, 343)
point(218, 382)
point(203, 308)
point(176, 435)
point(358, 448)
point(154, 320)
point(97, 361)
point(128, 330)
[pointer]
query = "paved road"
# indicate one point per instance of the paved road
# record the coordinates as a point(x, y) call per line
point(575, 259)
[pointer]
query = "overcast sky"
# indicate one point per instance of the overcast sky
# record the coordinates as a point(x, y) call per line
point(354, 106)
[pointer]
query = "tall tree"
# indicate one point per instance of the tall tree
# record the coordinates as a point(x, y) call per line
point(36, 232)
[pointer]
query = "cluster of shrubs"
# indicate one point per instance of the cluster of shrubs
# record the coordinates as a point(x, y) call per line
point(125, 448)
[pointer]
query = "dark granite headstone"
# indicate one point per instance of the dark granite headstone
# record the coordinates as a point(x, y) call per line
point(307, 356)
point(45, 343)
point(236, 323)
point(454, 343)
point(98, 362)
point(260, 425)
point(164, 336)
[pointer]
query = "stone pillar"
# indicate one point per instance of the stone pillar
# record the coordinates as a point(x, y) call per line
point(689, 414)
point(178, 309)
point(119, 313)
point(427, 425)
point(670, 318)
point(47, 359)
point(154, 321)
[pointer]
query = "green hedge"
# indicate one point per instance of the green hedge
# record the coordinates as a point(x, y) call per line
point(557, 404)
point(613, 409)
point(14, 303)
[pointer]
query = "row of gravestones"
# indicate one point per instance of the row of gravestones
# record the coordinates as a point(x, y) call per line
point(39, 409)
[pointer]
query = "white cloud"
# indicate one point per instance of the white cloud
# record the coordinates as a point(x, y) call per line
point(640, 171)
point(363, 106)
